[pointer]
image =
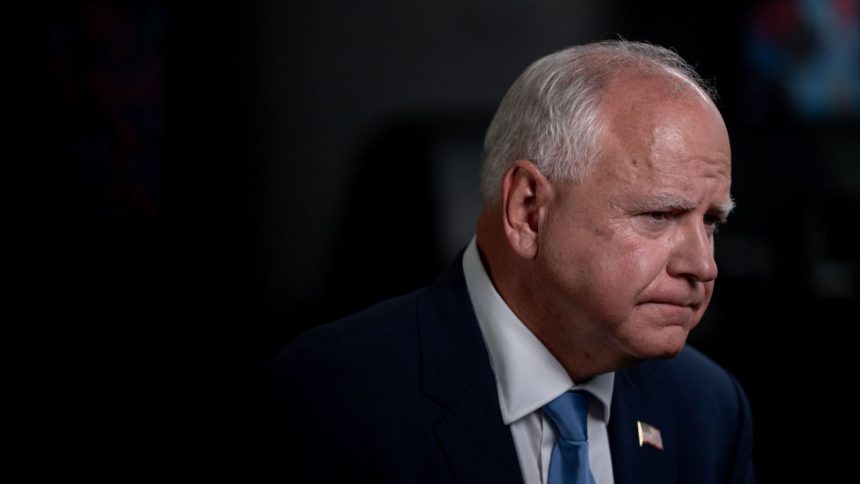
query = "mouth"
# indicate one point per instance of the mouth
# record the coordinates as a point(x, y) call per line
point(670, 312)
point(667, 305)
point(690, 303)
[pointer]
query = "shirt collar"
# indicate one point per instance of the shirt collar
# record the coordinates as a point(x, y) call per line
point(527, 375)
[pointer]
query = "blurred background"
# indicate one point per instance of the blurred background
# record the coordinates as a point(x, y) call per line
point(203, 183)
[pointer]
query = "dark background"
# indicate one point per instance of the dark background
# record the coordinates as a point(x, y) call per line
point(203, 183)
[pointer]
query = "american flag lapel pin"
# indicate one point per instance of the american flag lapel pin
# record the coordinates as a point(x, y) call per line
point(649, 435)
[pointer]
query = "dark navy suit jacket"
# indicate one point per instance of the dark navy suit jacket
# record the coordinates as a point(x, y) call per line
point(403, 392)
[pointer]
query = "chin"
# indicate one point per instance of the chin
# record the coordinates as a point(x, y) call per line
point(665, 345)
point(670, 352)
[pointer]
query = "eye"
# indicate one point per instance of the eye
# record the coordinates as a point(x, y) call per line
point(654, 221)
point(712, 222)
point(657, 216)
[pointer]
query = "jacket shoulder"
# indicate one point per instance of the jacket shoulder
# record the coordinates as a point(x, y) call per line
point(691, 372)
point(366, 342)
point(335, 386)
point(705, 408)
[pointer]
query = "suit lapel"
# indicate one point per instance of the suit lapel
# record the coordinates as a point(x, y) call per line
point(456, 375)
point(479, 447)
point(632, 464)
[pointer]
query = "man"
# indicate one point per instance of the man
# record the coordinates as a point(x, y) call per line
point(552, 350)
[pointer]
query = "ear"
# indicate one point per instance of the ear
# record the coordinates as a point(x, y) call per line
point(526, 193)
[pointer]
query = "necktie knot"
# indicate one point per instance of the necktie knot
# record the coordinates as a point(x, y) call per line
point(568, 413)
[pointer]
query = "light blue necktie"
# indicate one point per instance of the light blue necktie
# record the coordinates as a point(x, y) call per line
point(569, 461)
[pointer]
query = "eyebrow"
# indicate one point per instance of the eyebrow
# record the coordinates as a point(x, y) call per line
point(673, 202)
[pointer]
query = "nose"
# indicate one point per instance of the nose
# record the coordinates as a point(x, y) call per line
point(693, 254)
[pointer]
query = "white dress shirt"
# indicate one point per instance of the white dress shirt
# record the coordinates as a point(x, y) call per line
point(528, 377)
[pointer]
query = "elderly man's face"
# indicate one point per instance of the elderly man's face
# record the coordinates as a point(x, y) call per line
point(627, 253)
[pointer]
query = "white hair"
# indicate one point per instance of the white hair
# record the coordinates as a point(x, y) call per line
point(551, 115)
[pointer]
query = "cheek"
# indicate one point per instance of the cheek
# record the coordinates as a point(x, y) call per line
point(566, 252)
point(638, 266)
point(617, 280)
point(604, 270)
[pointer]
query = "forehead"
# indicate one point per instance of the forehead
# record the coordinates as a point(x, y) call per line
point(659, 118)
point(637, 105)
point(662, 135)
